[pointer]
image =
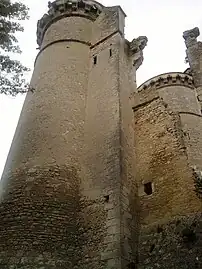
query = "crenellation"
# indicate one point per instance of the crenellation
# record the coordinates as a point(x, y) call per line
point(168, 79)
point(58, 9)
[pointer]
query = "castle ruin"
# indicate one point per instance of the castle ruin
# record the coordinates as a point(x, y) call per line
point(102, 174)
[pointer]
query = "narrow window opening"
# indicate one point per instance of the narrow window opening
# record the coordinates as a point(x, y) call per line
point(106, 197)
point(148, 188)
point(95, 60)
point(110, 52)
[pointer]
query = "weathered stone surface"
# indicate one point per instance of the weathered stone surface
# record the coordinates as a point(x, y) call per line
point(176, 244)
point(190, 37)
point(90, 182)
point(62, 204)
point(45, 225)
point(167, 144)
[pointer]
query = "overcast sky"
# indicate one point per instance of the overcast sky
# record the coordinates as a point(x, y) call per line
point(162, 21)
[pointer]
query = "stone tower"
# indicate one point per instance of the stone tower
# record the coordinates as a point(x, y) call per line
point(168, 145)
point(68, 193)
point(100, 174)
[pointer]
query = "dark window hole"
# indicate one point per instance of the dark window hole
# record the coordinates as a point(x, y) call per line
point(106, 198)
point(95, 60)
point(152, 248)
point(110, 52)
point(148, 188)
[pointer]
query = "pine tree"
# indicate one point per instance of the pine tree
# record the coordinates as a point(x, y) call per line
point(11, 71)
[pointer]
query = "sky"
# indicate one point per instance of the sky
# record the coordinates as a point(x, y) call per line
point(162, 21)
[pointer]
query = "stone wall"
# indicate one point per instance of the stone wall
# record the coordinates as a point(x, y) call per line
point(68, 187)
point(41, 202)
point(169, 210)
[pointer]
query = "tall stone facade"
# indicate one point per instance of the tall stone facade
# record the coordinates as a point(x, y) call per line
point(101, 174)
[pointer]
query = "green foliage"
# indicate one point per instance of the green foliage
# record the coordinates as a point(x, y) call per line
point(11, 71)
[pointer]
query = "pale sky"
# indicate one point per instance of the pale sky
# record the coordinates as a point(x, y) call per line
point(162, 21)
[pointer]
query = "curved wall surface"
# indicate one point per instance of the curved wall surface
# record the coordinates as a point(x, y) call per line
point(62, 198)
point(167, 144)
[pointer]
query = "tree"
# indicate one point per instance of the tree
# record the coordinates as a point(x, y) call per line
point(11, 71)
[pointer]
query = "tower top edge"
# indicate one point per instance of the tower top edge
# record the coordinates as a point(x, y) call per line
point(168, 79)
point(60, 8)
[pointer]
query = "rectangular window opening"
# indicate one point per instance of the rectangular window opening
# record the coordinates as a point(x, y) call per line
point(95, 60)
point(110, 52)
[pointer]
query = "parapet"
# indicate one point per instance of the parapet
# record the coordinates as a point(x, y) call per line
point(66, 8)
point(168, 79)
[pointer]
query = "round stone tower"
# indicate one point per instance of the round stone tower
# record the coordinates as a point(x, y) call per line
point(167, 146)
point(41, 220)
point(67, 191)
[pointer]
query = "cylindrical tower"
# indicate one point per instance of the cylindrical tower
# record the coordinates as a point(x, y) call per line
point(41, 222)
point(68, 191)
point(167, 145)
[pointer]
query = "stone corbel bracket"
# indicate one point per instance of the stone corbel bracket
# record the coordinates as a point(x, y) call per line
point(168, 79)
point(64, 8)
point(136, 47)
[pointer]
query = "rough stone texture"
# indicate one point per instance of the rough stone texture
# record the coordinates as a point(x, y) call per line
point(194, 58)
point(192, 126)
point(73, 192)
point(175, 244)
point(109, 136)
point(67, 188)
point(181, 99)
point(163, 118)
point(43, 222)
point(59, 30)
point(161, 159)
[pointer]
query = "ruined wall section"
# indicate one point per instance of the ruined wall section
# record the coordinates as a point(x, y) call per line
point(169, 208)
point(194, 58)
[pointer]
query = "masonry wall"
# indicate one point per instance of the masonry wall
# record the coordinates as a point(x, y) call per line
point(41, 202)
point(106, 151)
point(170, 221)
point(67, 198)
point(192, 126)
point(129, 219)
